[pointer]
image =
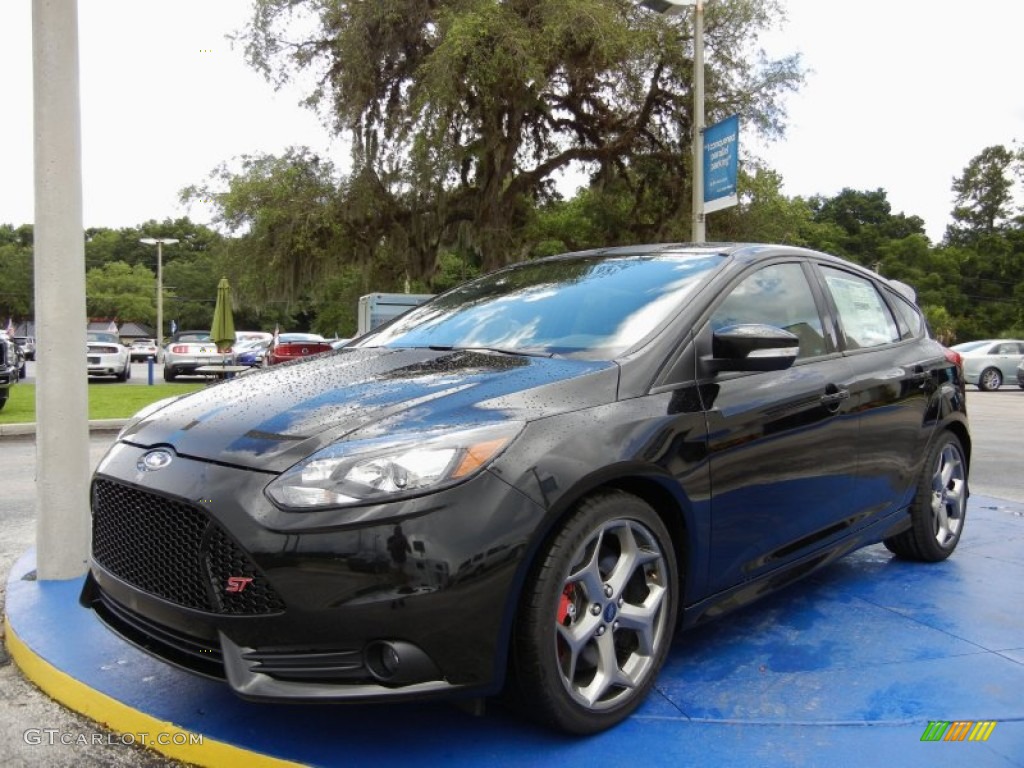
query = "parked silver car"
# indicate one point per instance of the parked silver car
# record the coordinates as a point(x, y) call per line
point(990, 362)
point(189, 350)
point(107, 356)
point(28, 346)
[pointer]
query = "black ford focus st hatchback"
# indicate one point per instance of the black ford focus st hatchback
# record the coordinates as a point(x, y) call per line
point(533, 480)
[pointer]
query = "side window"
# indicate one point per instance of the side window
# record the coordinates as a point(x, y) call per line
point(909, 318)
point(776, 295)
point(865, 319)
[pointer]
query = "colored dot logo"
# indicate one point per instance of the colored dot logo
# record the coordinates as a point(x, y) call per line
point(206, 50)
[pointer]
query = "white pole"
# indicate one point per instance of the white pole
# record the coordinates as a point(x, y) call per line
point(62, 395)
point(159, 300)
point(698, 124)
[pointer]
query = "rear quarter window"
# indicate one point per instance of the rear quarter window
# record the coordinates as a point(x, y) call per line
point(909, 318)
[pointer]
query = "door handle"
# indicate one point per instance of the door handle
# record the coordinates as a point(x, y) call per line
point(833, 398)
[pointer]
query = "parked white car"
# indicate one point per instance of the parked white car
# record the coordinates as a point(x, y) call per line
point(143, 349)
point(107, 356)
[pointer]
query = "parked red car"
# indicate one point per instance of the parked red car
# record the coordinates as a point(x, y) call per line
point(291, 346)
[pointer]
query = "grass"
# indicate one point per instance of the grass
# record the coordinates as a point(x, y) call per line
point(107, 399)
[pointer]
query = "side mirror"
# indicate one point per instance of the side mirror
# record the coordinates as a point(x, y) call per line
point(752, 348)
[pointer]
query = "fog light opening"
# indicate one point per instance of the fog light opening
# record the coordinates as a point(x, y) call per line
point(383, 660)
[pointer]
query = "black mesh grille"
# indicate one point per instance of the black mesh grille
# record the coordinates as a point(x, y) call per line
point(175, 551)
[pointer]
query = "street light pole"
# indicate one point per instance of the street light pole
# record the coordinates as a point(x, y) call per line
point(674, 8)
point(159, 243)
point(698, 123)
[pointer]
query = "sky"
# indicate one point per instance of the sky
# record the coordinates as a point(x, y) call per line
point(899, 95)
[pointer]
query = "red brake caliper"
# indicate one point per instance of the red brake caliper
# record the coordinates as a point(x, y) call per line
point(564, 602)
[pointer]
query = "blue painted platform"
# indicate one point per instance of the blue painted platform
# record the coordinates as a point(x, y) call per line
point(846, 668)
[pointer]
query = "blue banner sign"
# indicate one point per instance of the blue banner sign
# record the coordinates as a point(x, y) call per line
point(721, 161)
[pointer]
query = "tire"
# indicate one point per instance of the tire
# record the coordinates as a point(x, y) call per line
point(3, 399)
point(939, 508)
point(23, 372)
point(169, 374)
point(589, 600)
point(126, 373)
point(990, 380)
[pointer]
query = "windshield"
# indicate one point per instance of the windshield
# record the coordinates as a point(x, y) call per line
point(593, 308)
point(102, 336)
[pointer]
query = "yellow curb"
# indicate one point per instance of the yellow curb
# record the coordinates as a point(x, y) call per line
point(123, 719)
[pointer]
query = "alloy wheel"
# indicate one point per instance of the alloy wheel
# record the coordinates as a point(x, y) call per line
point(991, 379)
point(949, 497)
point(611, 617)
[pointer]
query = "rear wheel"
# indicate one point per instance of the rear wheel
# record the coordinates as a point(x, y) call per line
point(939, 507)
point(990, 380)
point(169, 374)
point(597, 615)
point(3, 398)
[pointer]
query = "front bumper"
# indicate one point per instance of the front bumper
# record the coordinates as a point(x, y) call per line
point(326, 612)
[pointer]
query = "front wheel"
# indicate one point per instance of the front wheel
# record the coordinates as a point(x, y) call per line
point(597, 615)
point(990, 380)
point(939, 507)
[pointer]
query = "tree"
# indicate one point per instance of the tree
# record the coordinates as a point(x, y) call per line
point(122, 291)
point(866, 221)
point(16, 282)
point(460, 112)
point(983, 195)
point(764, 214)
point(104, 245)
point(284, 212)
point(17, 300)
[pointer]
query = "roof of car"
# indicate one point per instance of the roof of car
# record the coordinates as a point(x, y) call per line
point(744, 252)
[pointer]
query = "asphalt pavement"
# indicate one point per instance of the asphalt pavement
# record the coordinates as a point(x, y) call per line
point(34, 731)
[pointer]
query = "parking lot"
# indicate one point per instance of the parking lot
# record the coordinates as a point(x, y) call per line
point(140, 375)
point(997, 421)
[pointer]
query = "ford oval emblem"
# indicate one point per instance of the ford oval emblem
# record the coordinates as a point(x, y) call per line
point(155, 460)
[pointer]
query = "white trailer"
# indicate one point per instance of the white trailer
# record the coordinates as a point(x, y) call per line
point(377, 308)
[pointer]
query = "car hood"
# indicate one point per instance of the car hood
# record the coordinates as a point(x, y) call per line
point(274, 417)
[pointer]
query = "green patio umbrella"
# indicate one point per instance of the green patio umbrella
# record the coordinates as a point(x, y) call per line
point(222, 332)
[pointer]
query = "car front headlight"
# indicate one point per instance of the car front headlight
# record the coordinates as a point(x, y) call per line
point(381, 469)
